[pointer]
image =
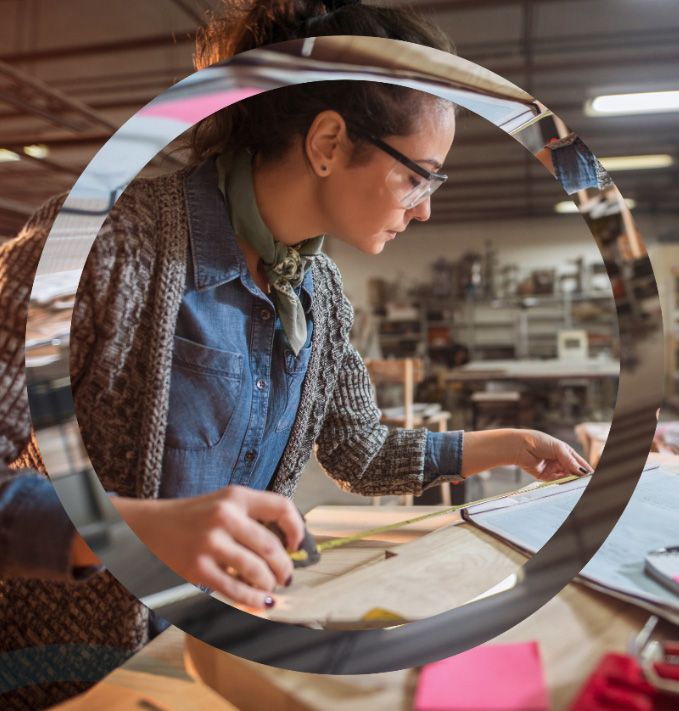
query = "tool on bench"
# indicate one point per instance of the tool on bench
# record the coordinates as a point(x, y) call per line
point(307, 554)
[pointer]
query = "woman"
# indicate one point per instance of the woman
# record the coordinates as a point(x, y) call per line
point(210, 347)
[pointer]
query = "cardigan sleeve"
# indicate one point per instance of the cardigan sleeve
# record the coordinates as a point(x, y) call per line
point(367, 457)
point(36, 535)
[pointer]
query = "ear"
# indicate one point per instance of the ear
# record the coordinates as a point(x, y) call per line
point(325, 141)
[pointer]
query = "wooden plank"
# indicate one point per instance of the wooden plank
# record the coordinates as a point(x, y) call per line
point(340, 521)
point(124, 690)
point(252, 687)
point(415, 580)
point(308, 599)
point(155, 679)
point(327, 522)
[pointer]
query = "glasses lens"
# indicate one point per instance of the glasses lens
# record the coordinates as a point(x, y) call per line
point(409, 188)
point(418, 196)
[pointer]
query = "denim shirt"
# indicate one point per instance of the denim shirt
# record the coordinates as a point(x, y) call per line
point(235, 388)
point(235, 383)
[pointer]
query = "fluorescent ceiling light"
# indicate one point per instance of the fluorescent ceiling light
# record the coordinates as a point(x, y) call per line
point(566, 207)
point(647, 162)
point(639, 103)
point(7, 156)
point(37, 150)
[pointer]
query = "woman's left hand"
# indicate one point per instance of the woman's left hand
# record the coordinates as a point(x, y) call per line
point(547, 458)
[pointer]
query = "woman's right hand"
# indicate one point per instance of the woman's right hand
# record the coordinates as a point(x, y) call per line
point(220, 539)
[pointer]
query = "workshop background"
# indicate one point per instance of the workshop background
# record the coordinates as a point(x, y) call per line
point(504, 272)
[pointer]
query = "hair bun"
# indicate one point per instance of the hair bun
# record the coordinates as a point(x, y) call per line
point(331, 5)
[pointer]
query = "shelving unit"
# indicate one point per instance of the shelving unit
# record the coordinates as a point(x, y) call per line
point(401, 333)
point(520, 327)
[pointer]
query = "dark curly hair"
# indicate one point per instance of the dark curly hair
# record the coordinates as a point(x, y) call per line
point(268, 123)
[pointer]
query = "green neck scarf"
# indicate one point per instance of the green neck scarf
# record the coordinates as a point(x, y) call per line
point(284, 266)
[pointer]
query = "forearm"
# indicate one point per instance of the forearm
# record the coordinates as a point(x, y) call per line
point(537, 453)
point(487, 449)
point(131, 509)
point(220, 540)
point(142, 515)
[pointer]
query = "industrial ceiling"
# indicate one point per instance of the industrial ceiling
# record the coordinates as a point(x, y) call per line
point(74, 70)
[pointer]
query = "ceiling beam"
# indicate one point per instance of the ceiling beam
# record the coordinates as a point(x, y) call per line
point(16, 207)
point(189, 10)
point(570, 44)
point(458, 5)
point(164, 75)
point(542, 66)
point(38, 98)
point(114, 47)
point(18, 141)
point(524, 212)
point(49, 164)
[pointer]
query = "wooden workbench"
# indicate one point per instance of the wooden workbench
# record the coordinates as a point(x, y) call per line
point(548, 369)
point(593, 435)
point(573, 630)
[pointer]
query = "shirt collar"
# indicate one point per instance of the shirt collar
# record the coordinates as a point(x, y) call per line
point(216, 256)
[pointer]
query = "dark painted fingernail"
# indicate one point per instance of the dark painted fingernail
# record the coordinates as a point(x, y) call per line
point(269, 601)
point(583, 470)
point(288, 582)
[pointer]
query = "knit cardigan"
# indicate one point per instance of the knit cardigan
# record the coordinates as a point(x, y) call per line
point(121, 356)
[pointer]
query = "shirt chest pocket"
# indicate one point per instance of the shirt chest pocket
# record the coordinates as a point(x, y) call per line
point(204, 390)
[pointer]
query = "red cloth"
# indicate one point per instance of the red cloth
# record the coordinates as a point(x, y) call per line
point(618, 684)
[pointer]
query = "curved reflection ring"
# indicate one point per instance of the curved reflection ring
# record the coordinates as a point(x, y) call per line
point(640, 384)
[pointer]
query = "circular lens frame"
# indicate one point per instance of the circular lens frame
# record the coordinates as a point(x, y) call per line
point(562, 557)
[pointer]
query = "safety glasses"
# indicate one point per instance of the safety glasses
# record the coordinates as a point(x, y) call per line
point(412, 186)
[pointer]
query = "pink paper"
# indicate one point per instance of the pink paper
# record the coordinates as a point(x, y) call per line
point(195, 108)
point(494, 677)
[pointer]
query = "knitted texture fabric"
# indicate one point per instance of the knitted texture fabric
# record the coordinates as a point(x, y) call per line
point(121, 356)
point(93, 625)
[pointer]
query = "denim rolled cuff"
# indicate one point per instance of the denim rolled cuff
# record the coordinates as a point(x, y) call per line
point(442, 456)
point(576, 167)
point(37, 534)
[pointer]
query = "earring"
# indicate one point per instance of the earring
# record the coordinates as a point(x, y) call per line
point(324, 168)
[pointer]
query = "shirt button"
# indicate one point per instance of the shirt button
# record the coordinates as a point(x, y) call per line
point(260, 384)
point(265, 314)
point(249, 456)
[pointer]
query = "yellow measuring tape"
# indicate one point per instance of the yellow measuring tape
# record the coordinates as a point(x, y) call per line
point(337, 542)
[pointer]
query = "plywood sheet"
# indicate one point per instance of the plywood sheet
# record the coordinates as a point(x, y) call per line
point(432, 572)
